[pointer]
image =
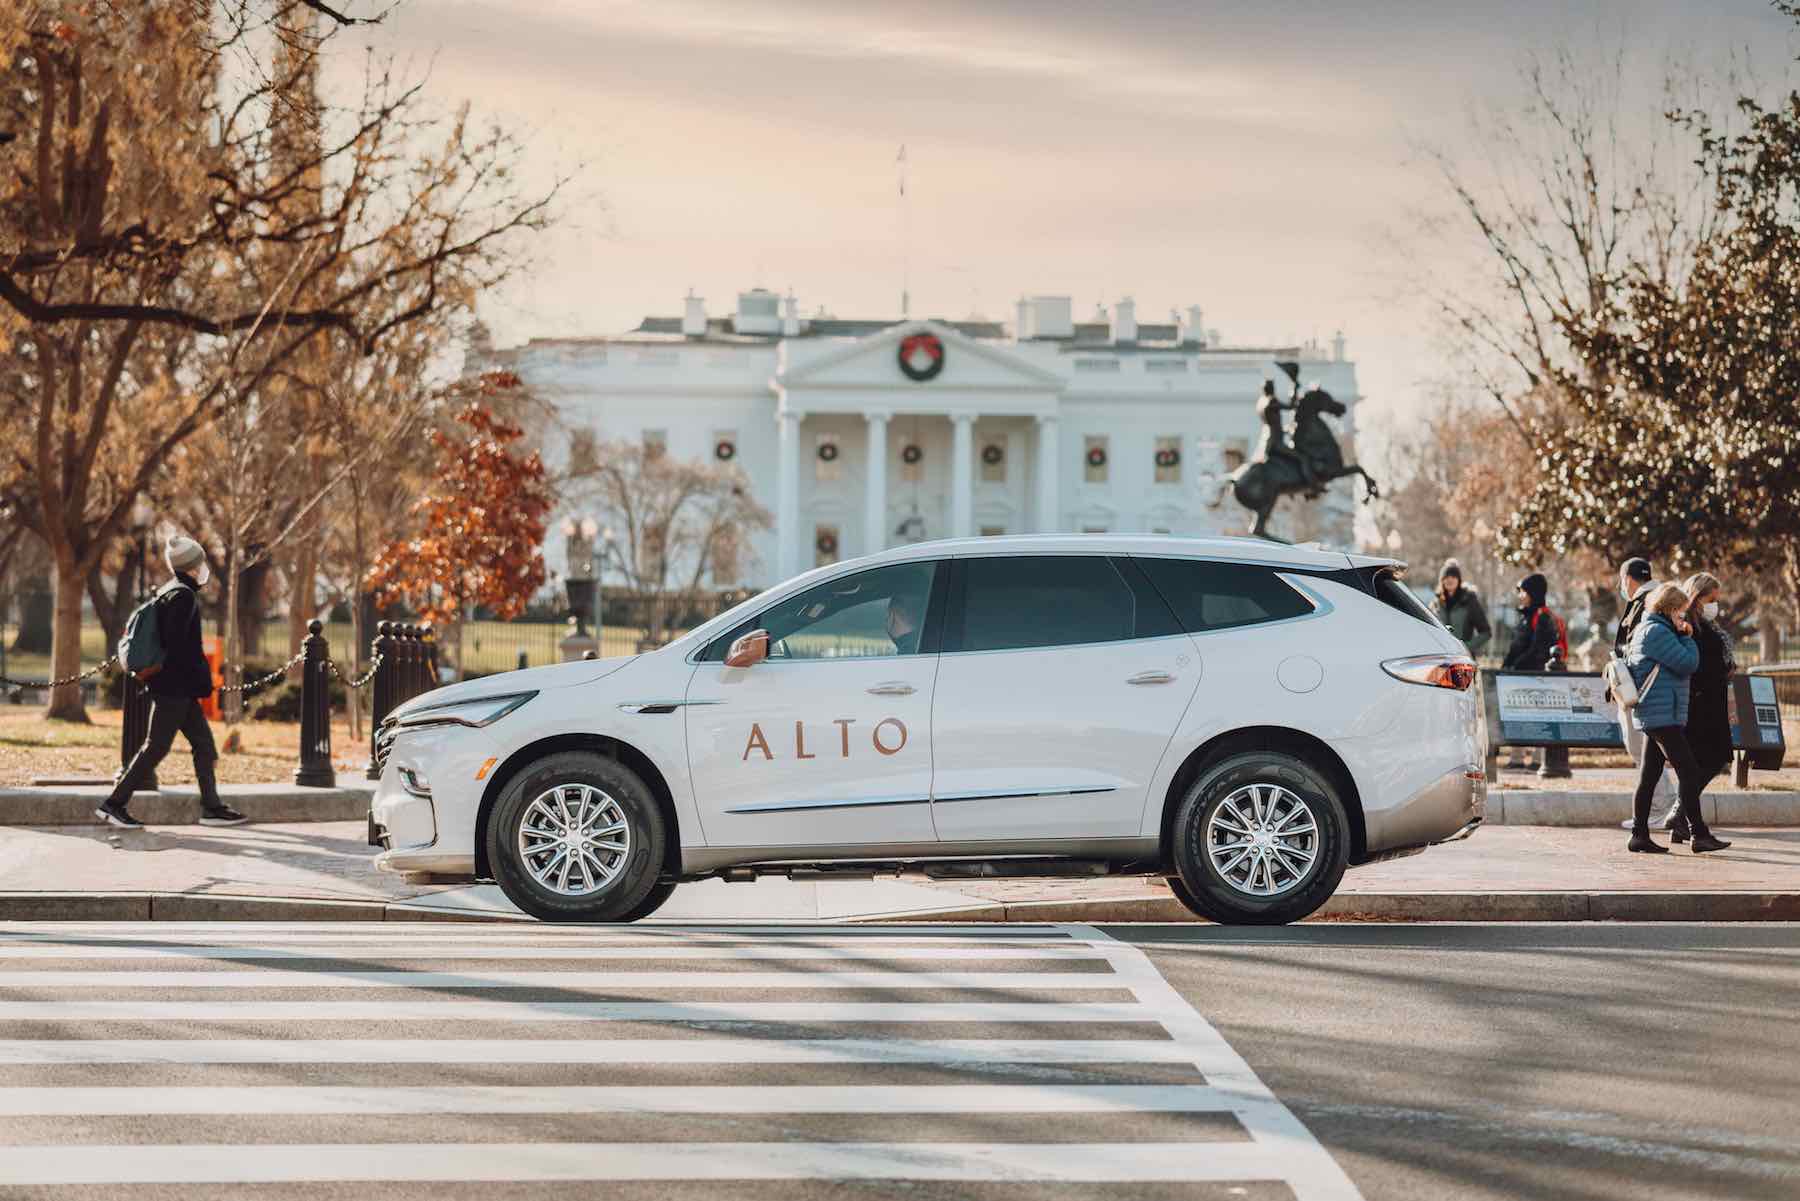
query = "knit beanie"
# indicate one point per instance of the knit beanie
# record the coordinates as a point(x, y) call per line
point(184, 554)
point(1451, 568)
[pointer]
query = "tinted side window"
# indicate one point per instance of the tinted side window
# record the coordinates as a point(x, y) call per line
point(875, 613)
point(1221, 596)
point(1391, 591)
point(1013, 602)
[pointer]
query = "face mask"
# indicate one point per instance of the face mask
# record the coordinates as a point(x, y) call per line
point(1710, 610)
point(203, 575)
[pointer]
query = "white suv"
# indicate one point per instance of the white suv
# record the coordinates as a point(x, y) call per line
point(1244, 718)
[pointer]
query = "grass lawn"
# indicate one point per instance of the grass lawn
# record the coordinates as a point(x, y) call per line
point(31, 746)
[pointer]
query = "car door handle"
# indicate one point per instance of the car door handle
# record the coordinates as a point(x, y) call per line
point(892, 688)
point(1151, 677)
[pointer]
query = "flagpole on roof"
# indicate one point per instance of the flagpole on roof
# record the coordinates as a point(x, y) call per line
point(905, 240)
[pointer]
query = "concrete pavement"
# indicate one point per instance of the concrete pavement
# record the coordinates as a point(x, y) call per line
point(1532, 873)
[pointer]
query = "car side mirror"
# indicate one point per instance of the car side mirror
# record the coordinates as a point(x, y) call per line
point(749, 650)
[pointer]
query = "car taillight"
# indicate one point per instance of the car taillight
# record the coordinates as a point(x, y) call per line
point(1434, 671)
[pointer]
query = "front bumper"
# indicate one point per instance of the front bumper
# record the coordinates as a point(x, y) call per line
point(433, 832)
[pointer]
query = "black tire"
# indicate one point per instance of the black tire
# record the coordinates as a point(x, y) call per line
point(1206, 890)
point(653, 900)
point(624, 894)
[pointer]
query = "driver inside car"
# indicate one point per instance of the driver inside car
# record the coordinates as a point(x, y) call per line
point(903, 623)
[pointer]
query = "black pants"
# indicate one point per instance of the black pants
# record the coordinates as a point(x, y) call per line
point(1669, 745)
point(169, 714)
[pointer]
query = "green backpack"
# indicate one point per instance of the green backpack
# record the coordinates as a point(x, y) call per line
point(140, 648)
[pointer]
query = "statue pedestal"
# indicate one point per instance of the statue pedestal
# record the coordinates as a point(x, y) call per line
point(577, 646)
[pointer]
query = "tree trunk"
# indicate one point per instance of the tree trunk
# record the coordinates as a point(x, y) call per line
point(36, 605)
point(65, 641)
point(302, 581)
point(231, 704)
point(353, 696)
point(1768, 634)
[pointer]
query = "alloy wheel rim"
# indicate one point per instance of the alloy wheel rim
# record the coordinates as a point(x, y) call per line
point(574, 839)
point(1263, 840)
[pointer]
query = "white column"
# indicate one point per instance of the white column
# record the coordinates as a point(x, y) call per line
point(1049, 495)
point(787, 496)
point(962, 475)
point(875, 502)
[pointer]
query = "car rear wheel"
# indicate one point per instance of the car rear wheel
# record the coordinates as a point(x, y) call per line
point(1260, 839)
point(577, 837)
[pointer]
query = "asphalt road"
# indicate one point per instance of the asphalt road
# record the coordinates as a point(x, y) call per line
point(454, 1061)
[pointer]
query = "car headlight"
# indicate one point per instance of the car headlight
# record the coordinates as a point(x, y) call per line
point(482, 711)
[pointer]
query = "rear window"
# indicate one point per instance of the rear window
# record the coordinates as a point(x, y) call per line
point(1208, 595)
point(1391, 591)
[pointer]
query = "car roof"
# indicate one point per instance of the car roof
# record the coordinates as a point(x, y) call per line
point(1258, 550)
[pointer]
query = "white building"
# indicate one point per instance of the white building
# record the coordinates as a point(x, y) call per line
point(859, 435)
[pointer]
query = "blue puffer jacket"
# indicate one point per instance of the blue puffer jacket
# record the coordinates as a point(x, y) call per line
point(1654, 642)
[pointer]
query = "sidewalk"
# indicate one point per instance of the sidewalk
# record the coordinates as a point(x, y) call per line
point(319, 870)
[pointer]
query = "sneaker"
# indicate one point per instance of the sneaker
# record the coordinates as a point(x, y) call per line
point(223, 815)
point(116, 816)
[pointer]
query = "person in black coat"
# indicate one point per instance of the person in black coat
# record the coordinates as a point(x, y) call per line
point(1535, 636)
point(176, 688)
point(1709, 711)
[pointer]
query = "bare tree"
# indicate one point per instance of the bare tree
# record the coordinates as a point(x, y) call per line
point(676, 523)
point(166, 247)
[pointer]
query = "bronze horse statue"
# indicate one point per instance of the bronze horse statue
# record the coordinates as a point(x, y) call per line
point(1276, 472)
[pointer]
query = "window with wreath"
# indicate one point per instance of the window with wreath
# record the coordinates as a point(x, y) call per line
point(827, 467)
point(993, 460)
point(656, 442)
point(825, 545)
point(912, 461)
point(1168, 460)
point(725, 445)
point(1094, 458)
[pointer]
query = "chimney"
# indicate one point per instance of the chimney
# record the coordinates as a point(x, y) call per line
point(1193, 333)
point(693, 321)
point(758, 312)
point(1124, 326)
point(1048, 317)
point(1337, 347)
point(790, 316)
point(1022, 320)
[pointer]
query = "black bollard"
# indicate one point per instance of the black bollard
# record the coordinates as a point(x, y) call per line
point(135, 728)
point(406, 669)
point(381, 701)
point(315, 769)
point(428, 661)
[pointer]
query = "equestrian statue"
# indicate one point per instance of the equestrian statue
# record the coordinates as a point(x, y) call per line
point(1302, 467)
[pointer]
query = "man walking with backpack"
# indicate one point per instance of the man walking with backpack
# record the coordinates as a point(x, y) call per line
point(162, 647)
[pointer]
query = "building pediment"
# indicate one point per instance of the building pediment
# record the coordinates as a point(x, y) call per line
point(913, 357)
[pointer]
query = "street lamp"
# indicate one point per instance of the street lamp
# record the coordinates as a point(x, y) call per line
point(579, 535)
point(142, 516)
point(1394, 540)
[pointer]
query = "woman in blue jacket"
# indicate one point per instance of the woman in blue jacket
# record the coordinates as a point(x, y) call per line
point(1662, 656)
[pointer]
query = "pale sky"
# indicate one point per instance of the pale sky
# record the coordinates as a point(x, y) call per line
point(1251, 156)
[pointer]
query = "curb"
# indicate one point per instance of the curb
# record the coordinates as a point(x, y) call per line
point(1576, 808)
point(1398, 907)
point(73, 805)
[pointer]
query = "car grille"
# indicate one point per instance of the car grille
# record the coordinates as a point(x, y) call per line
point(384, 742)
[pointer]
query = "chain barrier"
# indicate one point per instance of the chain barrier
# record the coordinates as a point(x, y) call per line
point(74, 679)
point(111, 661)
point(253, 685)
point(361, 680)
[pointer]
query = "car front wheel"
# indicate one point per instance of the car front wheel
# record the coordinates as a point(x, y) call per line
point(1260, 839)
point(577, 837)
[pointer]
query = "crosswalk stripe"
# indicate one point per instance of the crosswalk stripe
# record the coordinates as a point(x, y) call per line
point(536, 1162)
point(1166, 1030)
point(413, 950)
point(379, 979)
point(594, 1051)
point(722, 1099)
point(570, 1011)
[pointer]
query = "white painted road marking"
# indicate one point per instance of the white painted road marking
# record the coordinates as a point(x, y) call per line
point(1279, 1147)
